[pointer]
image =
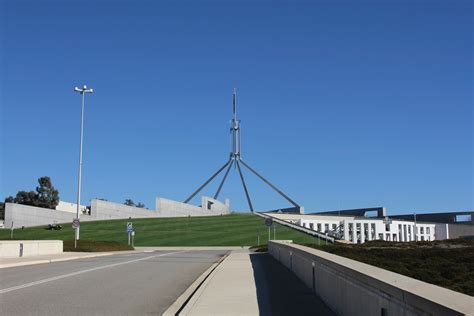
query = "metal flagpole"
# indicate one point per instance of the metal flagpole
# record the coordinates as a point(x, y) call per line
point(245, 187)
point(223, 180)
point(271, 185)
point(208, 180)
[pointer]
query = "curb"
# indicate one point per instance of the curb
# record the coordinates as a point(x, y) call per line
point(21, 264)
point(184, 298)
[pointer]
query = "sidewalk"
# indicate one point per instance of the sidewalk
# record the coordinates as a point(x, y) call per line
point(247, 283)
point(229, 290)
point(65, 256)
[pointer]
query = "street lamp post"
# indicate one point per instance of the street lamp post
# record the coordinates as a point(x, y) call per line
point(82, 91)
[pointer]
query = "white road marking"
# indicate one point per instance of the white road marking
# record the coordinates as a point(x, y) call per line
point(59, 277)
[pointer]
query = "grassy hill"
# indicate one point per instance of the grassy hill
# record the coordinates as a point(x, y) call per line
point(227, 230)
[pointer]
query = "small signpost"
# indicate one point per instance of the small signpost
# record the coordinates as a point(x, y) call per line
point(269, 223)
point(76, 223)
point(130, 231)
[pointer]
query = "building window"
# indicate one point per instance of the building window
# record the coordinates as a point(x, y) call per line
point(311, 225)
point(387, 227)
point(427, 230)
point(319, 227)
point(326, 227)
point(387, 237)
point(381, 236)
point(334, 226)
point(422, 230)
point(372, 230)
point(422, 238)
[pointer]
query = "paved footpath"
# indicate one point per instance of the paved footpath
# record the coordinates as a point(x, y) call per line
point(122, 284)
point(253, 284)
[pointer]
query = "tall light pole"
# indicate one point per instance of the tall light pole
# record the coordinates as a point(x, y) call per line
point(83, 92)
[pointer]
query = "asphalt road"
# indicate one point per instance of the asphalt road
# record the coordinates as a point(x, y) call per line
point(124, 284)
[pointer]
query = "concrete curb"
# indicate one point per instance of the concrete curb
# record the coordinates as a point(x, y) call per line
point(184, 298)
point(20, 264)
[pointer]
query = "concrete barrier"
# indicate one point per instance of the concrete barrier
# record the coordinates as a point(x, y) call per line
point(350, 287)
point(29, 248)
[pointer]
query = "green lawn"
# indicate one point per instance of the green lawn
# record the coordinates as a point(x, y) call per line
point(227, 230)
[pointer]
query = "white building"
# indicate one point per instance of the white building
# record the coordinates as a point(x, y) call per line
point(361, 229)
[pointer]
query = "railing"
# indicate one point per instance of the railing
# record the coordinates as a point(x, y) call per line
point(298, 227)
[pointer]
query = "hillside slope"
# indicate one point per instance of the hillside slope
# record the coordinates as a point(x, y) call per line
point(226, 230)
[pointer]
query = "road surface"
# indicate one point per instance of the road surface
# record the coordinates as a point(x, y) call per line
point(123, 284)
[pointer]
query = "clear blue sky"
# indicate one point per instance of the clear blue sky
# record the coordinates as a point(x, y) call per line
point(343, 104)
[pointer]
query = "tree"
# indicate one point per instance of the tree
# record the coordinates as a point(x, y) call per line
point(129, 202)
point(9, 199)
point(26, 198)
point(47, 195)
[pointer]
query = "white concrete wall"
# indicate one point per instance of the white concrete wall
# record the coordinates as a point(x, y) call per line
point(12, 248)
point(350, 287)
point(103, 210)
point(70, 207)
point(171, 208)
point(25, 215)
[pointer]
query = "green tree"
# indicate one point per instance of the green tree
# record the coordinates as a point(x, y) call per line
point(140, 205)
point(129, 202)
point(47, 196)
point(26, 198)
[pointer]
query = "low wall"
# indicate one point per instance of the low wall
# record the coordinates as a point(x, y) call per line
point(29, 248)
point(350, 287)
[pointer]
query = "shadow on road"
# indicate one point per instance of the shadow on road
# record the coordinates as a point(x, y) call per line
point(279, 292)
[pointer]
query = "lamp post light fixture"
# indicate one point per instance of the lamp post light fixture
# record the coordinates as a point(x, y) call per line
point(82, 91)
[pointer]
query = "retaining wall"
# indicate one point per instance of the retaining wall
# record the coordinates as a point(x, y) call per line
point(25, 215)
point(29, 248)
point(350, 287)
point(103, 210)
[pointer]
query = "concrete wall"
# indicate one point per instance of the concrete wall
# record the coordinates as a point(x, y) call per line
point(25, 215)
point(70, 207)
point(460, 231)
point(209, 206)
point(12, 248)
point(350, 287)
point(103, 210)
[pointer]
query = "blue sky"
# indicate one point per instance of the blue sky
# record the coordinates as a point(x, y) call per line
point(344, 104)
